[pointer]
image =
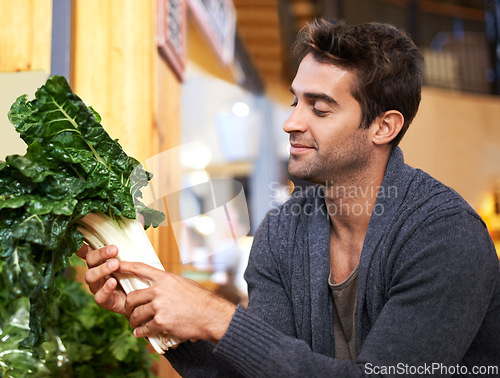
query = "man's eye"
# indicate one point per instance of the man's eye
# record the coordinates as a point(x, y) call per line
point(320, 113)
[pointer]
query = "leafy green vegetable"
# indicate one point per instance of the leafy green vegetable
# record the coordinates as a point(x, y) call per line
point(71, 168)
point(83, 340)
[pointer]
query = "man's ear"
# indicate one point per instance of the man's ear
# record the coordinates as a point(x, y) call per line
point(387, 126)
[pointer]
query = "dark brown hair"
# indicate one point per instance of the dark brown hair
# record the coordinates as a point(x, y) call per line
point(388, 65)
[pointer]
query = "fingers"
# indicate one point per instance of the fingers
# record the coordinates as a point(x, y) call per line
point(102, 264)
point(147, 321)
point(97, 274)
point(139, 297)
point(104, 293)
point(98, 256)
point(143, 270)
point(110, 298)
point(146, 330)
point(141, 315)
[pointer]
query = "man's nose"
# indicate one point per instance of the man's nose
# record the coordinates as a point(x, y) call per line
point(295, 122)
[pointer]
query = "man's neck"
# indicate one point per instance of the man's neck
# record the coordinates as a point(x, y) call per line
point(350, 204)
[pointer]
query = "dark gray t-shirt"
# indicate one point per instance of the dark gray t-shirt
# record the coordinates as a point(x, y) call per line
point(344, 315)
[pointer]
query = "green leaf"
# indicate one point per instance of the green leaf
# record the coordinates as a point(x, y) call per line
point(88, 317)
point(26, 166)
point(80, 353)
point(71, 167)
point(70, 349)
point(123, 345)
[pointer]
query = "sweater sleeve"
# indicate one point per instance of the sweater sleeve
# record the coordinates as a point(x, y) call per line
point(197, 360)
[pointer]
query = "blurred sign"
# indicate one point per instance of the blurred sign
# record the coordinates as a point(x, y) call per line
point(217, 20)
point(172, 34)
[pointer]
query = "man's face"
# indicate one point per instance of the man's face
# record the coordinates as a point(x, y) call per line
point(326, 142)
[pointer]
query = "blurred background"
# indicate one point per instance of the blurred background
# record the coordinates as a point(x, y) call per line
point(197, 90)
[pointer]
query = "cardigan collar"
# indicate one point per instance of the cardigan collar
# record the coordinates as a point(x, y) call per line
point(390, 196)
point(397, 179)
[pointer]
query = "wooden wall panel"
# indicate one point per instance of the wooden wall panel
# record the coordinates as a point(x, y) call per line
point(25, 35)
point(114, 67)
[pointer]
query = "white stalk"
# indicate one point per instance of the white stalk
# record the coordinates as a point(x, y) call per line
point(133, 244)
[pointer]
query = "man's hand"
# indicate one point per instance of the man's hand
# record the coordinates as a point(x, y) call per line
point(102, 264)
point(176, 306)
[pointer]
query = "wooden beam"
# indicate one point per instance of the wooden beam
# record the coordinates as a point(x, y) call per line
point(267, 54)
point(255, 3)
point(258, 24)
point(252, 80)
point(304, 9)
point(260, 30)
point(451, 10)
point(443, 9)
point(256, 15)
point(269, 65)
point(256, 35)
point(259, 42)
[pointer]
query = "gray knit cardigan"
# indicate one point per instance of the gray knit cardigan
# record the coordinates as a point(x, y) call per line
point(428, 295)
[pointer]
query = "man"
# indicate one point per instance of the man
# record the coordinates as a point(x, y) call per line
point(379, 269)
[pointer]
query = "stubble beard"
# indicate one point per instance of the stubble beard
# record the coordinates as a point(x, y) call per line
point(338, 168)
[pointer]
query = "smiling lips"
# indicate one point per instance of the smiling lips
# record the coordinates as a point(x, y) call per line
point(298, 148)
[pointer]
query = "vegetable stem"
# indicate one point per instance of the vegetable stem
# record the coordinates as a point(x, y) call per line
point(129, 236)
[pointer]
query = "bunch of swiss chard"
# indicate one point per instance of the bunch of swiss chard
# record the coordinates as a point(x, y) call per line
point(71, 168)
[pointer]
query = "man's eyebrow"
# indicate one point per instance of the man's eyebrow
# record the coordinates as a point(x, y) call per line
point(319, 96)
